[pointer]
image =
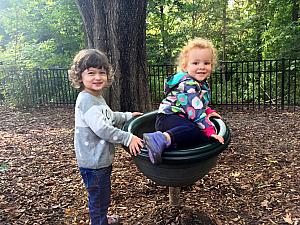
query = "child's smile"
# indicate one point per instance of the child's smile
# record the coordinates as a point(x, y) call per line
point(94, 80)
point(199, 63)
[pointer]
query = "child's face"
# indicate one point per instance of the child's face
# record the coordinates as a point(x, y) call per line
point(94, 80)
point(199, 63)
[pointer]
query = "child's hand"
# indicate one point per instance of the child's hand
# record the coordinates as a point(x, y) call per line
point(218, 138)
point(137, 114)
point(215, 114)
point(135, 145)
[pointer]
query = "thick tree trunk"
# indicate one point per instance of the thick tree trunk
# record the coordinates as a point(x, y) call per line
point(87, 18)
point(119, 29)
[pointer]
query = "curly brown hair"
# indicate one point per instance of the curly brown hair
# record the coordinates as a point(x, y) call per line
point(197, 43)
point(85, 59)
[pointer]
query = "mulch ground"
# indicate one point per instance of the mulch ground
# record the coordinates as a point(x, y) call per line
point(256, 180)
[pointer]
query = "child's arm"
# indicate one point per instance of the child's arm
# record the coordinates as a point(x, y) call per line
point(193, 100)
point(135, 145)
point(218, 138)
point(210, 112)
point(137, 114)
point(96, 119)
point(211, 133)
point(121, 117)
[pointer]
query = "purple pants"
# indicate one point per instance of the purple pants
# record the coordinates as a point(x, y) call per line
point(184, 132)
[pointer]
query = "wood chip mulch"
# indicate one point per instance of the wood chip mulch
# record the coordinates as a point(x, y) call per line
point(256, 180)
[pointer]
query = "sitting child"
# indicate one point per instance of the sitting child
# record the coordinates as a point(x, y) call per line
point(183, 115)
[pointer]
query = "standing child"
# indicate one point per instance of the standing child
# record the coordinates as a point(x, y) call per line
point(183, 116)
point(95, 131)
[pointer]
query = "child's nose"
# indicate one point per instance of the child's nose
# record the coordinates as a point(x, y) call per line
point(201, 65)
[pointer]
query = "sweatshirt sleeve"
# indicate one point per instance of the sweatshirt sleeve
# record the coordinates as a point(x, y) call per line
point(119, 118)
point(100, 125)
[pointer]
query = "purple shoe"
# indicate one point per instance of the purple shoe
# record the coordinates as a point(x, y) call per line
point(155, 143)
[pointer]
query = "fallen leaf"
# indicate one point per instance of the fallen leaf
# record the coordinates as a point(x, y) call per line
point(288, 218)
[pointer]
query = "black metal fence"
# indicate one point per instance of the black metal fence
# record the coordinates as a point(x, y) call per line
point(250, 84)
point(247, 84)
point(33, 88)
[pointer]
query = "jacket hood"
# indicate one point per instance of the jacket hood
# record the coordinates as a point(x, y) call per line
point(174, 80)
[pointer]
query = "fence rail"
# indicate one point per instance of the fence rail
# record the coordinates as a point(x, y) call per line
point(250, 84)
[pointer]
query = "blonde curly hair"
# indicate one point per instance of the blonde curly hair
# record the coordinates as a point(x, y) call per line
point(85, 59)
point(196, 43)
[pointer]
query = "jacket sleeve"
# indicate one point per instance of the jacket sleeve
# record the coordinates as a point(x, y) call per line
point(194, 100)
point(208, 131)
point(209, 110)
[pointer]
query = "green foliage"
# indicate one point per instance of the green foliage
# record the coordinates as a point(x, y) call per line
point(36, 87)
point(41, 33)
point(47, 34)
point(268, 82)
point(241, 30)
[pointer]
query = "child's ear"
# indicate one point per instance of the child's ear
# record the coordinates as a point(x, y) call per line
point(184, 67)
point(80, 83)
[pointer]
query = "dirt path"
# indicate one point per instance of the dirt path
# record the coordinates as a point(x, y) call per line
point(256, 180)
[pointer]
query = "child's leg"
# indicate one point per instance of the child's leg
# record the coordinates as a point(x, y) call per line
point(98, 186)
point(156, 142)
point(184, 133)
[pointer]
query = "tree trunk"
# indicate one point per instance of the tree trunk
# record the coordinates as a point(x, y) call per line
point(295, 11)
point(261, 27)
point(118, 28)
point(224, 31)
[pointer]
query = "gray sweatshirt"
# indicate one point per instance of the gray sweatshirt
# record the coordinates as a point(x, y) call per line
point(95, 131)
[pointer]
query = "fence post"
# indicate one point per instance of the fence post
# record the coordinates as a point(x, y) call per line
point(282, 83)
point(38, 86)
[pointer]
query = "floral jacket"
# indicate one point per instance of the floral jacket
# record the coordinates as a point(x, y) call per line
point(187, 97)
